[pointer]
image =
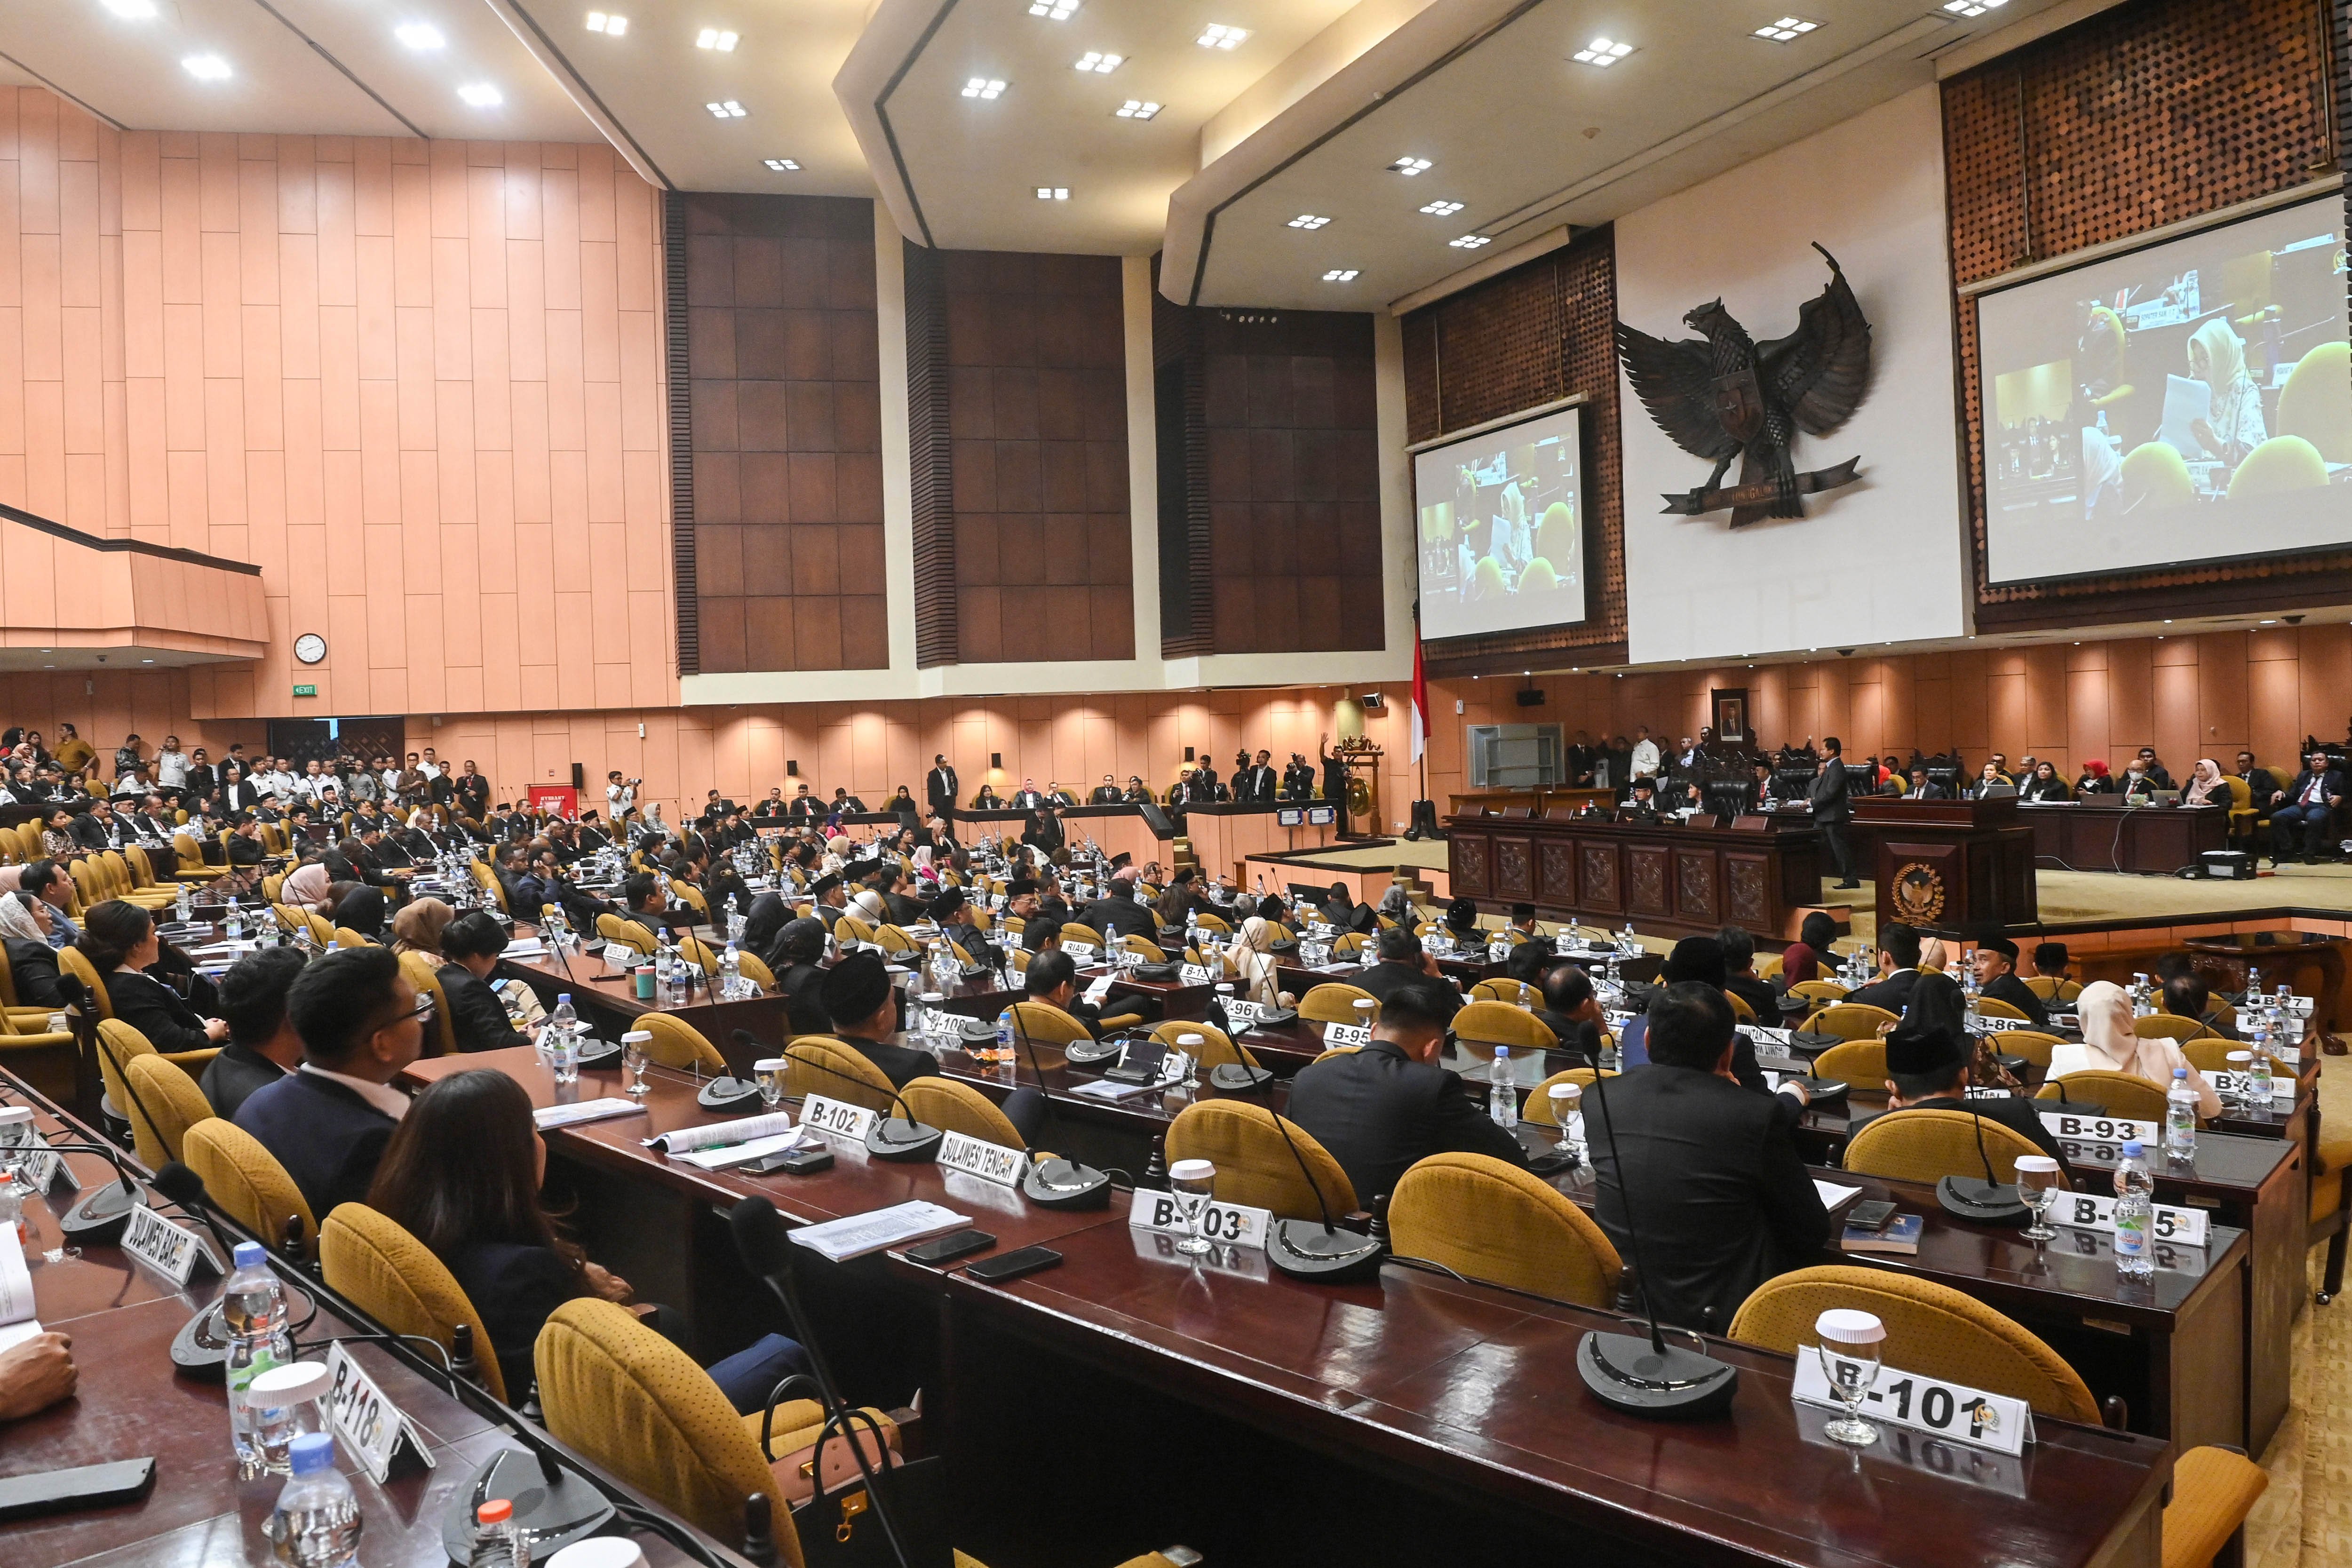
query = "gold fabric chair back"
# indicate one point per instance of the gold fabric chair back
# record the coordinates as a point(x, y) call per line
point(397, 1280)
point(1492, 1221)
point(245, 1178)
point(1254, 1166)
point(1928, 1144)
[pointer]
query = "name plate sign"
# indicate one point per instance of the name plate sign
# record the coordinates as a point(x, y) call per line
point(2091, 1211)
point(1199, 975)
point(1232, 1224)
point(977, 1157)
point(1951, 1411)
point(1242, 1015)
point(2103, 1129)
point(2240, 1084)
point(169, 1249)
point(375, 1428)
point(836, 1119)
point(1347, 1034)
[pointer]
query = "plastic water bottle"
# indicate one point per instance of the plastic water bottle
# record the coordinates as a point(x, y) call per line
point(1004, 1036)
point(731, 970)
point(2142, 1003)
point(736, 919)
point(1191, 927)
point(1502, 1098)
point(2258, 1072)
point(2180, 1118)
point(2135, 1213)
point(233, 923)
point(317, 1521)
point(1627, 943)
point(498, 1541)
point(559, 1041)
point(12, 1210)
point(252, 1315)
point(180, 904)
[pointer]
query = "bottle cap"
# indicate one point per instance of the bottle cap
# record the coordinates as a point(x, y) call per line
point(291, 1384)
point(600, 1552)
point(637, 1035)
point(498, 1510)
point(16, 1115)
point(310, 1453)
point(248, 1255)
point(2134, 1149)
point(561, 997)
point(2179, 1073)
point(1847, 1326)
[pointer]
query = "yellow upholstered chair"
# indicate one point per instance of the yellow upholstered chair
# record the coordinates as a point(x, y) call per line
point(491, 884)
point(2167, 1026)
point(1480, 1027)
point(21, 1013)
point(751, 967)
point(954, 1105)
point(2050, 988)
point(896, 941)
point(2213, 1490)
point(346, 937)
point(1819, 990)
point(849, 928)
point(852, 1078)
point(2118, 1093)
point(2331, 1210)
point(2315, 404)
point(2210, 1053)
point(1487, 581)
point(1254, 1166)
point(1740, 1007)
point(1519, 993)
point(397, 1280)
point(696, 950)
point(1144, 945)
point(1538, 1108)
point(2156, 475)
point(165, 1102)
point(1208, 921)
point(1335, 1051)
point(1849, 1021)
point(1216, 1049)
point(1926, 1145)
point(2032, 1044)
point(1537, 576)
point(679, 1045)
point(245, 1178)
point(1861, 1062)
point(2008, 1011)
point(690, 895)
point(1335, 1002)
point(191, 867)
point(1349, 944)
point(2280, 464)
point(425, 974)
point(1931, 1330)
point(119, 1042)
point(1496, 1223)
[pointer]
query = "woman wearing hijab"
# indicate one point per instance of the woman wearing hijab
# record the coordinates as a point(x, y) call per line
point(2045, 784)
point(767, 917)
point(2109, 1045)
point(1252, 957)
point(362, 909)
point(1396, 904)
point(2095, 779)
point(2206, 786)
point(418, 926)
point(32, 964)
point(1801, 959)
point(2232, 425)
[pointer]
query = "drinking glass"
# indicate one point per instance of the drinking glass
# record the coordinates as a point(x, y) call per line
point(1191, 1045)
point(1849, 1352)
point(2037, 1185)
point(634, 1057)
point(771, 1072)
point(1191, 1182)
point(1566, 1109)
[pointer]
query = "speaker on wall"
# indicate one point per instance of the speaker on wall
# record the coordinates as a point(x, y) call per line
point(579, 776)
point(1373, 703)
point(1530, 698)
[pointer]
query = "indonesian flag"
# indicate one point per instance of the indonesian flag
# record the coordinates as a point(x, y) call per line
point(1420, 705)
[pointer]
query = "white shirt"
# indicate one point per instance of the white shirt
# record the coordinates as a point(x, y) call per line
point(1645, 760)
point(618, 798)
point(309, 784)
point(390, 777)
point(171, 768)
point(383, 1096)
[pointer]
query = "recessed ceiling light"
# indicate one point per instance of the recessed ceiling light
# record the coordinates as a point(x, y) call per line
point(146, 661)
point(420, 36)
point(713, 38)
point(207, 68)
point(1093, 61)
point(1971, 7)
point(730, 110)
point(1340, 275)
point(132, 10)
point(1052, 193)
point(1471, 242)
point(1136, 109)
point(1603, 53)
point(481, 95)
point(1408, 166)
point(783, 166)
point(983, 87)
point(1309, 220)
point(1442, 209)
point(1054, 10)
point(1217, 36)
point(609, 25)
point(1786, 30)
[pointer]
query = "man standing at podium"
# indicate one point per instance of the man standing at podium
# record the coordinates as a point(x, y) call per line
point(1832, 810)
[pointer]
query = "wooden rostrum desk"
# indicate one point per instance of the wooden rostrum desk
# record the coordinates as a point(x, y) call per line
point(1409, 1419)
point(1670, 878)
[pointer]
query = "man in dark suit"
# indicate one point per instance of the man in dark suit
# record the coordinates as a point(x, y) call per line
point(1926, 1069)
point(263, 1046)
point(1028, 797)
point(472, 792)
point(1997, 979)
point(1715, 1184)
point(1403, 962)
point(328, 1122)
point(1922, 787)
point(849, 804)
point(1258, 783)
point(1830, 810)
point(939, 786)
point(1105, 793)
point(1740, 979)
point(2305, 809)
point(1298, 778)
point(1117, 914)
point(1899, 970)
point(1381, 1108)
point(478, 1019)
point(864, 1013)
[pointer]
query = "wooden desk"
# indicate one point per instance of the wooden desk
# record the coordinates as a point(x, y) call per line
point(1947, 864)
point(1452, 1397)
point(2093, 835)
point(1687, 880)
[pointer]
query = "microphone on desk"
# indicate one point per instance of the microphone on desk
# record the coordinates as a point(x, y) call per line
point(903, 1137)
point(1307, 1251)
point(201, 1344)
point(1648, 1376)
point(1049, 1181)
point(1988, 1202)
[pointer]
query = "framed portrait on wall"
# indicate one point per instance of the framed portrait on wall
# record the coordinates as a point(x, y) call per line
point(1730, 708)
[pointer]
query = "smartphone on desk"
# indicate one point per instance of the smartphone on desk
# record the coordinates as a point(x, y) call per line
point(1013, 1265)
point(949, 1247)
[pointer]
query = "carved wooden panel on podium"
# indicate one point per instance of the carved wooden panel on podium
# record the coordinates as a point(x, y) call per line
point(1556, 872)
point(1598, 887)
point(1514, 869)
point(1746, 890)
point(1697, 894)
point(1467, 867)
point(1646, 869)
point(1670, 877)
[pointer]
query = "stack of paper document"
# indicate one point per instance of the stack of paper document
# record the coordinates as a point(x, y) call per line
point(879, 1230)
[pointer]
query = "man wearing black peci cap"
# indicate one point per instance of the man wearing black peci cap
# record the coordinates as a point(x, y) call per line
point(865, 1012)
point(1926, 1069)
point(951, 911)
point(1996, 978)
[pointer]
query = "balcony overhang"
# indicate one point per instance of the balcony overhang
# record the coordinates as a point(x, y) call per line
point(70, 600)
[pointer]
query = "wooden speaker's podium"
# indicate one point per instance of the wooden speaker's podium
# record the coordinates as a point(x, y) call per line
point(1950, 864)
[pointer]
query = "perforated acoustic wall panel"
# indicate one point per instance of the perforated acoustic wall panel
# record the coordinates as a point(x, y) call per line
point(675, 345)
point(2141, 116)
point(929, 456)
point(786, 432)
point(1531, 336)
point(1180, 377)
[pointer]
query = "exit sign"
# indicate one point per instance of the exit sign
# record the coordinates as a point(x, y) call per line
point(306, 691)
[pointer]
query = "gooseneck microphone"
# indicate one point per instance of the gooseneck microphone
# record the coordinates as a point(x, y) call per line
point(1303, 1250)
point(1049, 1181)
point(1988, 1202)
point(201, 1344)
point(902, 1137)
point(1648, 1376)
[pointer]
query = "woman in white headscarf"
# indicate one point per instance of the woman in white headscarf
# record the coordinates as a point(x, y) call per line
point(1254, 964)
point(2206, 786)
point(869, 907)
point(2109, 1045)
point(2232, 425)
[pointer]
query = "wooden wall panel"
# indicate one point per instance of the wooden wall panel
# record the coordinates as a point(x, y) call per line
point(2138, 117)
point(783, 348)
point(1036, 404)
point(1531, 336)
